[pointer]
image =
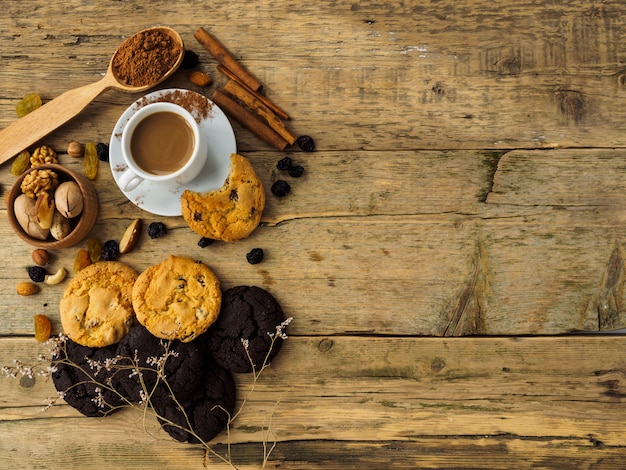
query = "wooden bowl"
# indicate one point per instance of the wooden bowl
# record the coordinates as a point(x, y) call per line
point(81, 225)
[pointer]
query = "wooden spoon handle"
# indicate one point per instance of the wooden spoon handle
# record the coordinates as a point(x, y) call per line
point(27, 130)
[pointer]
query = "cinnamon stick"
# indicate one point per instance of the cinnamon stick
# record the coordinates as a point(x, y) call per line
point(262, 98)
point(248, 120)
point(224, 57)
point(240, 92)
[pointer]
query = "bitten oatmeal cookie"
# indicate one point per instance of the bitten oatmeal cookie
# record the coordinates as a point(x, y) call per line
point(178, 298)
point(248, 313)
point(96, 308)
point(231, 212)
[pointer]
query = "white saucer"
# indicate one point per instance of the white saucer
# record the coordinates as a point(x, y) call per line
point(164, 198)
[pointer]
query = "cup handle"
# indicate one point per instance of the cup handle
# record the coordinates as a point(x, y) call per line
point(129, 180)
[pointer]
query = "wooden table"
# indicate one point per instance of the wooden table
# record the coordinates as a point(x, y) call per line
point(463, 212)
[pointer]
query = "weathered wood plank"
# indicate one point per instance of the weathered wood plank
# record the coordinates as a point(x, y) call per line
point(452, 75)
point(553, 401)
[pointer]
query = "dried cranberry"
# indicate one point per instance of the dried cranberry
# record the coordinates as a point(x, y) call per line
point(190, 60)
point(102, 150)
point(110, 250)
point(156, 229)
point(37, 273)
point(280, 188)
point(296, 171)
point(284, 163)
point(205, 241)
point(306, 143)
point(255, 256)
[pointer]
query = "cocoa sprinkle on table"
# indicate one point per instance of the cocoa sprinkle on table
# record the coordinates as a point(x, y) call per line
point(145, 58)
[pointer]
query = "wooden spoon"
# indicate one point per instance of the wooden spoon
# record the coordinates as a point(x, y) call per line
point(37, 124)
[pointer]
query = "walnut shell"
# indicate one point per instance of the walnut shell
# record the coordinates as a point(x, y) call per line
point(26, 214)
point(68, 199)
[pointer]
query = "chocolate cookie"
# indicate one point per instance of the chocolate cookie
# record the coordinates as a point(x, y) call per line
point(81, 374)
point(205, 413)
point(178, 298)
point(183, 366)
point(248, 313)
point(231, 212)
point(96, 307)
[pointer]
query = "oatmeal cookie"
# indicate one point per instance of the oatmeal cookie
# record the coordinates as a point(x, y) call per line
point(178, 298)
point(231, 212)
point(96, 308)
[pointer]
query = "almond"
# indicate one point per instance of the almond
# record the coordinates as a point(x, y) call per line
point(27, 288)
point(130, 236)
point(199, 78)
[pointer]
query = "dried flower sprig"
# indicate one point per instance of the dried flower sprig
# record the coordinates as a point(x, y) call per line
point(50, 362)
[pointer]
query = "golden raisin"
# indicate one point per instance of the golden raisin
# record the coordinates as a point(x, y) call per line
point(91, 160)
point(42, 328)
point(28, 104)
point(21, 163)
point(94, 248)
point(82, 260)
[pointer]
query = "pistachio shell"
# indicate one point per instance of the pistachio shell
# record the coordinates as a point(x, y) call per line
point(60, 227)
point(26, 215)
point(69, 199)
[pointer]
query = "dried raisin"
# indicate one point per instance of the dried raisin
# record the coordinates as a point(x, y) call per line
point(190, 60)
point(82, 260)
point(296, 171)
point(37, 273)
point(205, 241)
point(284, 163)
point(102, 150)
point(28, 104)
point(94, 248)
point(110, 250)
point(42, 328)
point(21, 163)
point(255, 256)
point(91, 160)
point(306, 143)
point(280, 188)
point(156, 229)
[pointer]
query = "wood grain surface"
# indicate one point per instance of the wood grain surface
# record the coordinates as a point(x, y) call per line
point(453, 255)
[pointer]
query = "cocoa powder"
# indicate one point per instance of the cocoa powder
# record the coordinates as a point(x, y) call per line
point(146, 57)
point(197, 105)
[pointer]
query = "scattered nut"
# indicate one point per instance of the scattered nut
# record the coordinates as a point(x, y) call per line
point(43, 155)
point(44, 209)
point(130, 236)
point(75, 149)
point(60, 227)
point(53, 279)
point(199, 78)
point(69, 199)
point(41, 257)
point(27, 288)
point(26, 214)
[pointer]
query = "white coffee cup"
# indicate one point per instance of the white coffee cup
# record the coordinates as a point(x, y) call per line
point(160, 134)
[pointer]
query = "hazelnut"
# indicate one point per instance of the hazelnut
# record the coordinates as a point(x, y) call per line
point(75, 149)
point(41, 257)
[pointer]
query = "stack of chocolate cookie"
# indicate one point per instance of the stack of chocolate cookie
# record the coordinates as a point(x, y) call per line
point(171, 342)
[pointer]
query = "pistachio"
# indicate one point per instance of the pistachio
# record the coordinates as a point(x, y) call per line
point(44, 208)
point(69, 199)
point(60, 227)
point(52, 279)
point(130, 236)
point(26, 214)
point(41, 257)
